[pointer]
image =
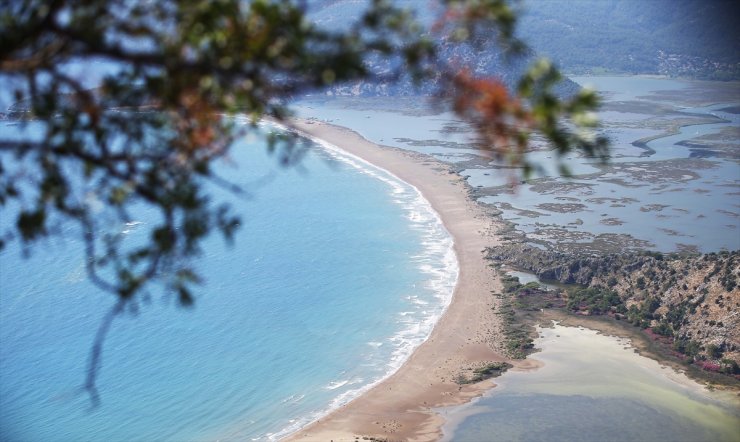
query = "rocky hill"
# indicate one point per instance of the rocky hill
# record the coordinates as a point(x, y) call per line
point(691, 302)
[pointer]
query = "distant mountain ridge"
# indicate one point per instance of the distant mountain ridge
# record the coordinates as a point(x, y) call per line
point(680, 38)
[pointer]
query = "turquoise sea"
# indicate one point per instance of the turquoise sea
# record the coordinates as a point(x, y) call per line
point(339, 271)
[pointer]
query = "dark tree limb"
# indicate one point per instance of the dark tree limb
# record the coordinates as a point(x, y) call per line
point(96, 353)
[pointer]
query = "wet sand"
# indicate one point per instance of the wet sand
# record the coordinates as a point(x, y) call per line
point(468, 335)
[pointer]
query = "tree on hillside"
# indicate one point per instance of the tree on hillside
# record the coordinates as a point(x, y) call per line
point(148, 133)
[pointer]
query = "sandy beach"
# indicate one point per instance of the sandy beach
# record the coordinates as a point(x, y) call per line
point(468, 334)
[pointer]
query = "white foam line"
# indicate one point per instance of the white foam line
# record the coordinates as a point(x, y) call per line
point(409, 339)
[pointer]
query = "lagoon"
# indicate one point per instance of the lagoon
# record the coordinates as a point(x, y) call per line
point(594, 387)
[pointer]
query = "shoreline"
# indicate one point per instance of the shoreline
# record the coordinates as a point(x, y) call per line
point(644, 347)
point(402, 406)
point(671, 392)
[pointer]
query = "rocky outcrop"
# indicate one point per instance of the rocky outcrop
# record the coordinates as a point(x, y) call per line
point(565, 268)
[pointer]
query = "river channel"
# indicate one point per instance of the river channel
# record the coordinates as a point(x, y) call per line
point(672, 193)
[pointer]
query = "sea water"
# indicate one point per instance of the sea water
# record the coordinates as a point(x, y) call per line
point(338, 272)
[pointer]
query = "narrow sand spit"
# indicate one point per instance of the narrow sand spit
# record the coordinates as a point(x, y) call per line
point(467, 335)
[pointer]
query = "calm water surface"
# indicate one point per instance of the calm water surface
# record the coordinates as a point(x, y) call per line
point(594, 387)
point(338, 272)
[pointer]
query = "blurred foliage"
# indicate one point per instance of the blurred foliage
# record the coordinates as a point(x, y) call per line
point(144, 136)
point(148, 133)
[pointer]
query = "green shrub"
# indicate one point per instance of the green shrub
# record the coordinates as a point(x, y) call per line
point(596, 300)
point(728, 366)
point(488, 371)
point(714, 351)
point(663, 329)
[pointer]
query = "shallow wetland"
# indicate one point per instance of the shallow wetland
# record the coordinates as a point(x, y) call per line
point(671, 185)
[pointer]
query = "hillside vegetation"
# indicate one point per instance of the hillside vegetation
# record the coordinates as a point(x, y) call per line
point(690, 303)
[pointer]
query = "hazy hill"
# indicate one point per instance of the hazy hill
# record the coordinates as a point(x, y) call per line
point(694, 38)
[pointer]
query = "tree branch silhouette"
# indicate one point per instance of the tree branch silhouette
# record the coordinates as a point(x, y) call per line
point(96, 352)
point(150, 131)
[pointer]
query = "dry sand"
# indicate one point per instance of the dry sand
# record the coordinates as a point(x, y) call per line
point(468, 335)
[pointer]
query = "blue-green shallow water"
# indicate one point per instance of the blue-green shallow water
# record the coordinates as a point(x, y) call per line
point(594, 388)
point(338, 272)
